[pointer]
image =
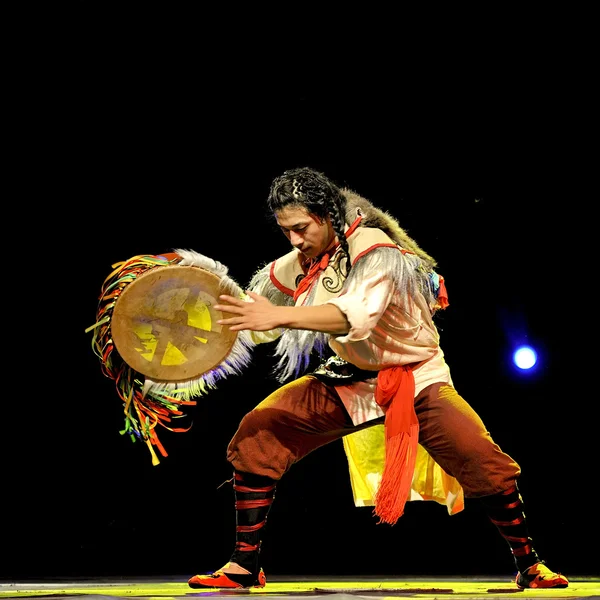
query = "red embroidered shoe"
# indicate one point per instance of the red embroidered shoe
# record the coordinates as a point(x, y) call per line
point(219, 579)
point(540, 576)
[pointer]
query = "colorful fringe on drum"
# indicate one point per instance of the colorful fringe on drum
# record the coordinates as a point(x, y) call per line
point(143, 411)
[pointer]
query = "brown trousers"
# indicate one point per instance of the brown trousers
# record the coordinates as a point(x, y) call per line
point(306, 413)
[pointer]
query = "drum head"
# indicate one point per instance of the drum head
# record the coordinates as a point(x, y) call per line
point(164, 324)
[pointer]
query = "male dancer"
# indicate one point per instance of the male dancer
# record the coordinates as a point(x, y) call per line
point(357, 287)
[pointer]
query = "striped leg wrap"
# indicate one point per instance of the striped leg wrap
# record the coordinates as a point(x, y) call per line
point(253, 498)
point(505, 510)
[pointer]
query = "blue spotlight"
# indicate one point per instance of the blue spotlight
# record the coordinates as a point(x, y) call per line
point(525, 357)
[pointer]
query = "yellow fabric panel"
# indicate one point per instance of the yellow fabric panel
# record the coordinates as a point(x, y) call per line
point(365, 451)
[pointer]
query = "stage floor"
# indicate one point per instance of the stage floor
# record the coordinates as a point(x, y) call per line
point(466, 588)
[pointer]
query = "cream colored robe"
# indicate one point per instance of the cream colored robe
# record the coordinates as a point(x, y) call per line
point(364, 449)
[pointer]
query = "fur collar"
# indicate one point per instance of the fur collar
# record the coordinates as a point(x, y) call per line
point(375, 217)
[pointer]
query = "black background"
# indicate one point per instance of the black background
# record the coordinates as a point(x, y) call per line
point(144, 143)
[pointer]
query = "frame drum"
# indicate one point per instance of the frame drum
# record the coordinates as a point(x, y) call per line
point(164, 324)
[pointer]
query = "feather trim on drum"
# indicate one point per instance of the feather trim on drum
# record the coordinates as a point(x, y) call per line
point(195, 259)
point(149, 400)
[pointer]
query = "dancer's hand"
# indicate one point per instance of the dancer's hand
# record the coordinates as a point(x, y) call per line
point(256, 314)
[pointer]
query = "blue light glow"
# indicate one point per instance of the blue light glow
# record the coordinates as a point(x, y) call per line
point(525, 357)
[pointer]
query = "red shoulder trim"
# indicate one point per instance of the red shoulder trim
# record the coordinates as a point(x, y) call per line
point(353, 227)
point(277, 283)
point(371, 248)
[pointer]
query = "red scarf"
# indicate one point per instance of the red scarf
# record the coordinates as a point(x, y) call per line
point(313, 273)
point(395, 393)
point(320, 265)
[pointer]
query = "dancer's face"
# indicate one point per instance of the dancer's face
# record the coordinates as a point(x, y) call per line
point(307, 232)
